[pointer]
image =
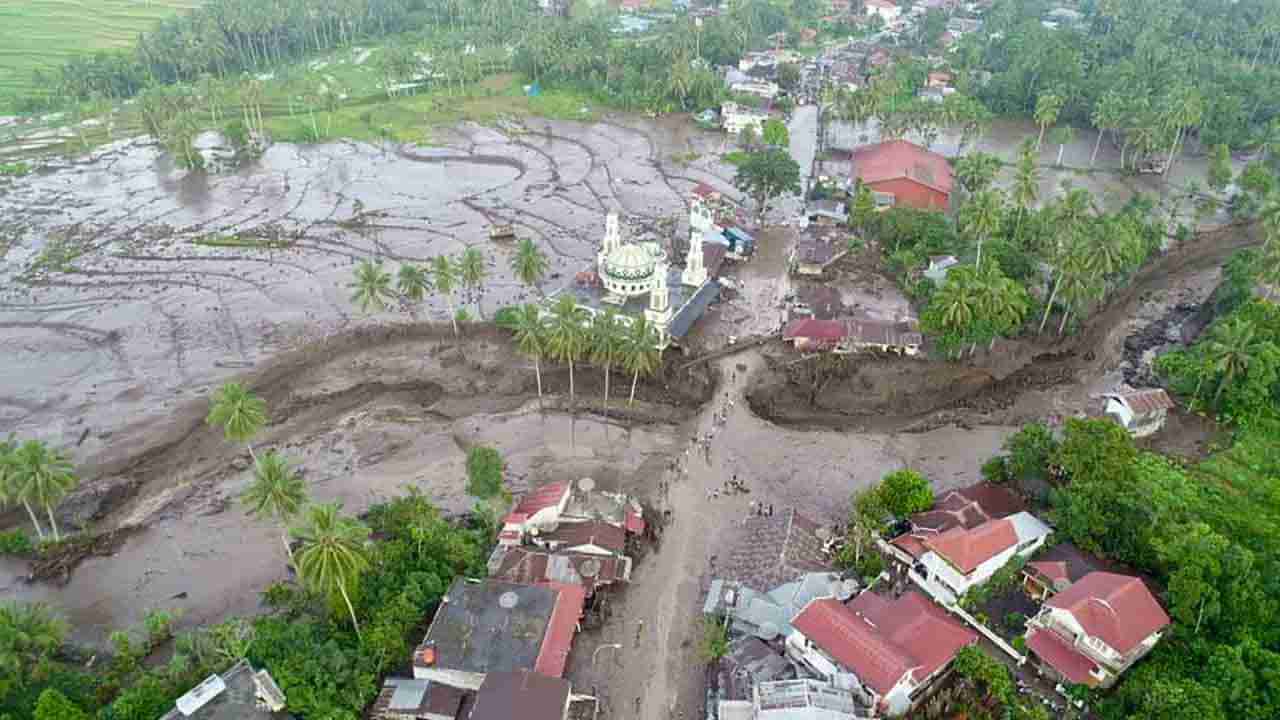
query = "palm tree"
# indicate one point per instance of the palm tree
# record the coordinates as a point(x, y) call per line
point(472, 272)
point(1107, 114)
point(1269, 274)
point(1080, 281)
point(531, 336)
point(567, 338)
point(10, 491)
point(529, 263)
point(1001, 300)
point(959, 300)
point(239, 413)
point(1048, 106)
point(445, 275)
point(32, 632)
point(1026, 183)
point(1185, 109)
point(371, 287)
point(332, 555)
point(605, 341)
point(277, 493)
point(1232, 350)
point(413, 284)
point(982, 215)
point(42, 477)
point(640, 354)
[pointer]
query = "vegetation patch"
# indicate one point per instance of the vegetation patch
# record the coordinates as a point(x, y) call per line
point(242, 241)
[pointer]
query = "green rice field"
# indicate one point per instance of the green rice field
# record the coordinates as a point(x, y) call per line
point(45, 33)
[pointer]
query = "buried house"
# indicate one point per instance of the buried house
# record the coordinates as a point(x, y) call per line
point(240, 693)
point(1141, 412)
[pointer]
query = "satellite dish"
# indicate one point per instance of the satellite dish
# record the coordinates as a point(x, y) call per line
point(586, 484)
point(589, 568)
point(768, 630)
point(508, 600)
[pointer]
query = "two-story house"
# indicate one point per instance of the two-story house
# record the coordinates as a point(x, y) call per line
point(962, 558)
point(1096, 629)
point(887, 653)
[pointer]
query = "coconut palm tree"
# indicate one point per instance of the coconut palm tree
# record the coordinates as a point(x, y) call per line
point(605, 341)
point(1108, 113)
point(445, 275)
point(42, 477)
point(472, 272)
point(1001, 300)
point(239, 413)
point(1048, 106)
point(982, 216)
point(958, 299)
point(332, 555)
point(371, 287)
point(1026, 183)
point(1232, 350)
point(567, 337)
point(276, 493)
point(529, 263)
point(1268, 274)
point(10, 492)
point(32, 632)
point(531, 333)
point(640, 354)
point(413, 285)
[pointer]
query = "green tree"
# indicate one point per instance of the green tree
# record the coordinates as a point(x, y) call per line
point(239, 413)
point(1220, 168)
point(905, 492)
point(766, 175)
point(413, 284)
point(776, 134)
point(53, 705)
point(333, 554)
point(1096, 451)
point(981, 218)
point(1048, 106)
point(473, 272)
point(445, 274)
point(30, 635)
point(10, 490)
point(747, 137)
point(1026, 183)
point(567, 335)
point(715, 640)
point(976, 171)
point(640, 355)
point(529, 264)
point(1031, 449)
point(371, 287)
point(485, 470)
point(42, 477)
point(605, 344)
point(864, 209)
point(531, 336)
point(277, 493)
point(1232, 349)
point(788, 77)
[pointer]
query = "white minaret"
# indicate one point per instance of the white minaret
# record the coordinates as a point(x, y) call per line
point(659, 295)
point(612, 240)
point(695, 271)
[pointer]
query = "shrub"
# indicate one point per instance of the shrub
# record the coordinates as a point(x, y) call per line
point(15, 542)
point(484, 472)
point(905, 492)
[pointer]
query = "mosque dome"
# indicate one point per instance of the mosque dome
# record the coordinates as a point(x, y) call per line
point(630, 263)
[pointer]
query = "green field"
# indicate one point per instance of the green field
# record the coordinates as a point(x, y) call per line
point(45, 33)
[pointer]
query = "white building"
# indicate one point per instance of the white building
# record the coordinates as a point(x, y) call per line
point(1141, 412)
point(759, 88)
point(886, 653)
point(735, 117)
point(1096, 629)
point(959, 559)
point(886, 9)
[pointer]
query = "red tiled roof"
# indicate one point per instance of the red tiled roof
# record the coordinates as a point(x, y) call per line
point(810, 329)
point(853, 643)
point(1147, 401)
point(1055, 651)
point(544, 497)
point(558, 640)
point(574, 534)
point(910, 544)
point(967, 549)
point(995, 500)
point(1118, 609)
point(901, 159)
point(1050, 569)
point(881, 640)
point(634, 522)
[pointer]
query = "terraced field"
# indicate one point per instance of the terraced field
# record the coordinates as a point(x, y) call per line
point(45, 33)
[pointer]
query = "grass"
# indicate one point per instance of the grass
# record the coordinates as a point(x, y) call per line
point(735, 157)
point(44, 34)
point(240, 241)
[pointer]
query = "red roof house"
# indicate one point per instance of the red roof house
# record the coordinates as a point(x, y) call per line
point(537, 509)
point(563, 625)
point(1095, 629)
point(812, 334)
point(913, 176)
point(966, 548)
point(892, 646)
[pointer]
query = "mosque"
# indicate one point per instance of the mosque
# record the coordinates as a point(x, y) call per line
point(635, 279)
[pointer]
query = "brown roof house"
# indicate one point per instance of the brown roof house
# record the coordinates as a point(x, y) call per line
point(962, 558)
point(853, 334)
point(888, 652)
point(240, 693)
point(1057, 569)
point(529, 566)
point(816, 251)
point(902, 173)
point(966, 507)
point(1096, 629)
point(490, 626)
point(416, 699)
point(1141, 412)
